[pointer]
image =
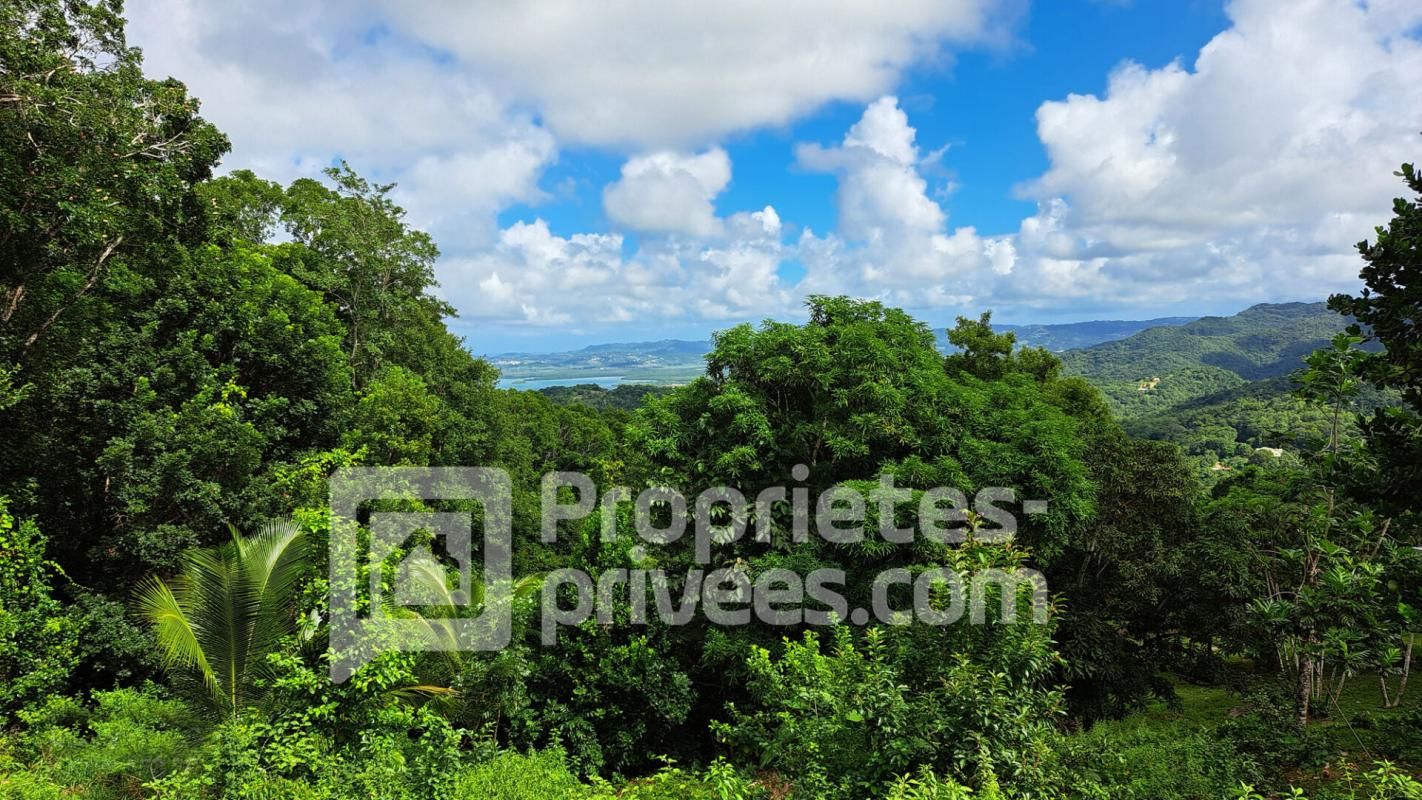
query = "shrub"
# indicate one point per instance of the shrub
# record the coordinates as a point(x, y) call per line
point(848, 722)
point(129, 737)
point(37, 637)
point(540, 775)
point(1270, 735)
point(1132, 760)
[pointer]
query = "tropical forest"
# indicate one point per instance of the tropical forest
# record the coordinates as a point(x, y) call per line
point(871, 545)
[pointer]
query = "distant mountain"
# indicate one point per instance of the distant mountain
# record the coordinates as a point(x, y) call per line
point(661, 347)
point(1218, 386)
point(663, 362)
point(1161, 367)
point(675, 361)
point(1071, 335)
point(598, 355)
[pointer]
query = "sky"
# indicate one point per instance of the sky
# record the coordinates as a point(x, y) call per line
point(645, 169)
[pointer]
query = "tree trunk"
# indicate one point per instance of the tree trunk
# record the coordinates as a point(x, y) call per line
point(1406, 670)
point(1305, 688)
point(12, 302)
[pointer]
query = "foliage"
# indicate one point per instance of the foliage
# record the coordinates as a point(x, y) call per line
point(97, 162)
point(231, 606)
point(1383, 782)
point(183, 356)
point(513, 776)
point(840, 724)
point(38, 639)
point(623, 397)
point(1133, 761)
point(126, 739)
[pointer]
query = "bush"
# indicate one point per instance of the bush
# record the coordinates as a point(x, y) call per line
point(129, 738)
point(512, 776)
point(1400, 738)
point(38, 637)
point(1383, 782)
point(720, 782)
point(1133, 760)
point(848, 722)
point(1269, 734)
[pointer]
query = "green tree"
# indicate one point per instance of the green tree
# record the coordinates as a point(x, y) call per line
point(989, 355)
point(97, 162)
point(230, 607)
point(359, 252)
point(1389, 311)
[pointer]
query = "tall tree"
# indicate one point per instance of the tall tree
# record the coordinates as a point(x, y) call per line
point(363, 256)
point(97, 162)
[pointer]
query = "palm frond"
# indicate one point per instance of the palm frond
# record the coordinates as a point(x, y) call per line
point(227, 609)
point(177, 638)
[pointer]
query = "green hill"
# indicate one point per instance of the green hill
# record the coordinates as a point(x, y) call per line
point(1066, 336)
point(1159, 369)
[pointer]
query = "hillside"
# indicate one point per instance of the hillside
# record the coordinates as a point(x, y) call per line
point(1071, 335)
point(1160, 368)
point(668, 362)
point(1236, 422)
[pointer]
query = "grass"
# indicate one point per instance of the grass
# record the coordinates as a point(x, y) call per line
point(1211, 705)
point(1355, 728)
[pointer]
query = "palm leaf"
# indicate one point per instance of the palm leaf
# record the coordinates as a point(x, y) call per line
point(177, 639)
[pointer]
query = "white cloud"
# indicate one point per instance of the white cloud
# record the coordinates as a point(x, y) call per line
point(893, 240)
point(535, 277)
point(296, 88)
point(668, 192)
point(1245, 175)
point(1248, 176)
point(655, 73)
point(458, 104)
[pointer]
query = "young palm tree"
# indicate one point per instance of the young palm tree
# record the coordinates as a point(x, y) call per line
point(227, 608)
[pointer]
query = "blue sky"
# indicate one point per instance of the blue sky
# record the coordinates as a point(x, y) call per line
point(653, 170)
point(982, 106)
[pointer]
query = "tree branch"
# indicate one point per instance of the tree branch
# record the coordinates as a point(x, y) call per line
point(88, 284)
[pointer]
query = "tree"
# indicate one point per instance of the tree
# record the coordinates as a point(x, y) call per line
point(1389, 312)
point(97, 163)
point(989, 355)
point(226, 611)
point(154, 431)
point(359, 252)
point(1387, 309)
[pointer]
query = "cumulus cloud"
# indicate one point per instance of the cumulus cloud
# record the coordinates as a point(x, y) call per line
point(535, 277)
point(669, 192)
point(653, 73)
point(459, 105)
point(296, 88)
point(1248, 175)
point(892, 239)
point(1241, 175)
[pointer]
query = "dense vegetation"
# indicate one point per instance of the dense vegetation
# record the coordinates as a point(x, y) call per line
point(1222, 387)
point(186, 359)
point(626, 397)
